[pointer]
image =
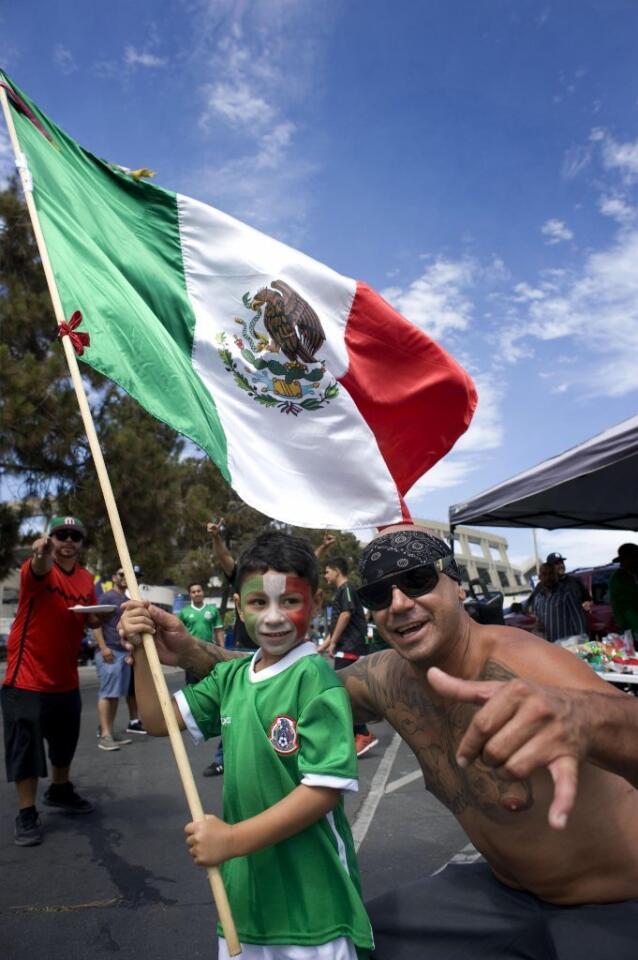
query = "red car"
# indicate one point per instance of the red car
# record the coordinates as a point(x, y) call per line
point(596, 579)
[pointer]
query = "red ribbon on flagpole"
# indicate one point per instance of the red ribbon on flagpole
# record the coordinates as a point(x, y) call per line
point(79, 340)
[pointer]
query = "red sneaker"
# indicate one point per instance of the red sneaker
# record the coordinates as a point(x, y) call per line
point(364, 742)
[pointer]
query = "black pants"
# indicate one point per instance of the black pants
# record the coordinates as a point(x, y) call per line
point(465, 913)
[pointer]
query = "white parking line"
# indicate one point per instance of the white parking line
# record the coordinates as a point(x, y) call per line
point(377, 788)
point(404, 781)
point(469, 854)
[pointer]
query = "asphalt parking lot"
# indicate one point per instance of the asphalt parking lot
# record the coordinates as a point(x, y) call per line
point(119, 881)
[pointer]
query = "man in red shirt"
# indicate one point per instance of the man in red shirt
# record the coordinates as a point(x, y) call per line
point(40, 695)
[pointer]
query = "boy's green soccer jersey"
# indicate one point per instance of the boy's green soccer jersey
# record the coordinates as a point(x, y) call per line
point(288, 724)
point(201, 621)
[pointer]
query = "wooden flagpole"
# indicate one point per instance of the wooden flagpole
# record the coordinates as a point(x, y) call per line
point(188, 782)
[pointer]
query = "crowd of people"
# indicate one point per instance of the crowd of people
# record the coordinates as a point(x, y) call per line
point(525, 765)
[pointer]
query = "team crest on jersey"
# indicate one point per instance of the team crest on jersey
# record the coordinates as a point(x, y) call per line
point(283, 734)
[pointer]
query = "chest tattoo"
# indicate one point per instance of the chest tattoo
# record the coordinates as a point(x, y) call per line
point(434, 732)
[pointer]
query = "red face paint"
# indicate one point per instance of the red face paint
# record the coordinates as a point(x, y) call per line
point(276, 608)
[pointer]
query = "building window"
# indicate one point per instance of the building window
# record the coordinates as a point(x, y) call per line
point(502, 576)
point(483, 575)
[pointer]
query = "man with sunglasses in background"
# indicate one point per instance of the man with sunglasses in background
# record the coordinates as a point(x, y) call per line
point(40, 694)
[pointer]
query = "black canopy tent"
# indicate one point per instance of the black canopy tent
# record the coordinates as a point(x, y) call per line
point(593, 485)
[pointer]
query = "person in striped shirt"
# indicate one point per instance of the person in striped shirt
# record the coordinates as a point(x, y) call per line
point(557, 607)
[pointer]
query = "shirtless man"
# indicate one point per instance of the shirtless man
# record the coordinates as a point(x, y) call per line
point(542, 779)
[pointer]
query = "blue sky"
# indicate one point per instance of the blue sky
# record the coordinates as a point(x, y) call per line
point(474, 160)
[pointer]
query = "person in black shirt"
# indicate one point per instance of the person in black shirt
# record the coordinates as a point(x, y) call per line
point(347, 639)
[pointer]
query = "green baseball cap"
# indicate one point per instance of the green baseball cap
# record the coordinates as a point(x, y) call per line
point(67, 523)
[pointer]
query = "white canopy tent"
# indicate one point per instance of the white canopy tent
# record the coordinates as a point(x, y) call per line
point(593, 485)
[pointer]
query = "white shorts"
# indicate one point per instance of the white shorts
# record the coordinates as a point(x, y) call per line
point(340, 949)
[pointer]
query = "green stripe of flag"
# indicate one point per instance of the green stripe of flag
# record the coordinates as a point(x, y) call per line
point(114, 245)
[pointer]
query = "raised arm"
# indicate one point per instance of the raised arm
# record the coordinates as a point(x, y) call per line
point(42, 560)
point(222, 553)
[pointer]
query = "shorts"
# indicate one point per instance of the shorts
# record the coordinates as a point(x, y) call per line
point(30, 718)
point(340, 949)
point(465, 912)
point(115, 678)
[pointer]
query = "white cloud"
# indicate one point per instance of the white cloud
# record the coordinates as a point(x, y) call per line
point(583, 548)
point(437, 301)
point(63, 59)
point(142, 58)
point(260, 187)
point(523, 293)
point(257, 61)
point(621, 156)
point(597, 307)
point(575, 159)
point(486, 429)
point(617, 208)
point(237, 103)
point(556, 231)
point(446, 473)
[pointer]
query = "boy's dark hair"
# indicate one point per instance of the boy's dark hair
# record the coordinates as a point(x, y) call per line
point(338, 563)
point(195, 583)
point(282, 552)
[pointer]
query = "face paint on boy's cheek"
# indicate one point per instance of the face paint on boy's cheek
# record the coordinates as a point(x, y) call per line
point(300, 618)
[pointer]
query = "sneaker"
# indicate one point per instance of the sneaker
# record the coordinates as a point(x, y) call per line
point(364, 742)
point(121, 741)
point(28, 832)
point(214, 770)
point(63, 795)
point(135, 726)
point(107, 742)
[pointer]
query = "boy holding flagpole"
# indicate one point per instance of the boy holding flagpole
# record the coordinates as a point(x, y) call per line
point(285, 845)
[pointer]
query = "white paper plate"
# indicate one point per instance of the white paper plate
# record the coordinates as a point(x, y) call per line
point(97, 608)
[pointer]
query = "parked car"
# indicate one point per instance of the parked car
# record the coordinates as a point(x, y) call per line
point(596, 579)
point(485, 606)
point(516, 616)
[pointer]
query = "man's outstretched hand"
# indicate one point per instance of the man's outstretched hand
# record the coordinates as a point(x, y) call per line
point(521, 727)
point(172, 639)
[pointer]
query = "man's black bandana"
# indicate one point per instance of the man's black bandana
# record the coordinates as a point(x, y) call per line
point(403, 550)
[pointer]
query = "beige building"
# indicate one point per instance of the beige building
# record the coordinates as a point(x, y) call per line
point(482, 556)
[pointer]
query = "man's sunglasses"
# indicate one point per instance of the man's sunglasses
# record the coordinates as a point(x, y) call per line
point(413, 583)
point(74, 535)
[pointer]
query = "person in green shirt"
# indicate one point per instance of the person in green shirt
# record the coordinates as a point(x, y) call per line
point(284, 845)
point(204, 621)
point(623, 589)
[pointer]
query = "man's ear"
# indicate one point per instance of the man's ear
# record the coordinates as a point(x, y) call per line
point(317, 601)
point(462, 592)
point(237, 602)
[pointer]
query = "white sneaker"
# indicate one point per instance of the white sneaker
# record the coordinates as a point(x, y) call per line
point(107, 743)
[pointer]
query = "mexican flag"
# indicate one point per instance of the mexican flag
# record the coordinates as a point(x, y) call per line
point(318, 402)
